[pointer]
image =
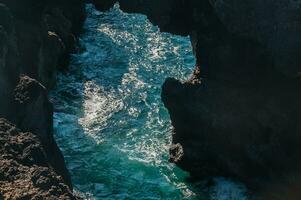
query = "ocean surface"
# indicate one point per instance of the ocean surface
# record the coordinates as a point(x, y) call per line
point(109, 120)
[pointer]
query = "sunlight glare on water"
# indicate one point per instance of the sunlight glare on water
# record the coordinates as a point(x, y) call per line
point(109, 119)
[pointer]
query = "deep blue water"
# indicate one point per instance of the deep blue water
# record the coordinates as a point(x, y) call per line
point(109, 120)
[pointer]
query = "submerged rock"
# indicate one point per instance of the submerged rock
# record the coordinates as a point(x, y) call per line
point(25, 171)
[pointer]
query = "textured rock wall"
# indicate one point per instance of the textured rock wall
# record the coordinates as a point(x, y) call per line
point(238, 115)
point(25, 171)
point(35, 114)
point(36, 38)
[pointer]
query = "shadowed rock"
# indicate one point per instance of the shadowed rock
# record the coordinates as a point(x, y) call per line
point(35, 114)
point(239, 114)
point(36, 38)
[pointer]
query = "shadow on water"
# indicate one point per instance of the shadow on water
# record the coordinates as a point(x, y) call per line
point(109, 120)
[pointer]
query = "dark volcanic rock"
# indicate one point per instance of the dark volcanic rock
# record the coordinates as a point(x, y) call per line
point(9, 71)
point(45, 33)
point(166, 14)
point(35, 114)
point(239, 136)
point(103, 5)
point(36, 38)
point(25, 172)
point(239, 116)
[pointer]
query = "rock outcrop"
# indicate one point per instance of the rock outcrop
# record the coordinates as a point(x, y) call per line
point(35, 114)
point(239, 114)
point(36, 39)
point(25, 171)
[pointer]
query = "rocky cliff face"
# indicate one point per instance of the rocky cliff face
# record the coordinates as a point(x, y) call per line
point(36, 38)
point(35, 114)
point(239, 114)
point(25, 171)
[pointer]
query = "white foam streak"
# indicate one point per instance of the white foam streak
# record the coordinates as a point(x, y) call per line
point(99, 107)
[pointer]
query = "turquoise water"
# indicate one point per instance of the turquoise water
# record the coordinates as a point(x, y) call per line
point(109, 120)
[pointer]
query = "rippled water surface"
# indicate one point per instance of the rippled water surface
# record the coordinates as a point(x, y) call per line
point(109, 119)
